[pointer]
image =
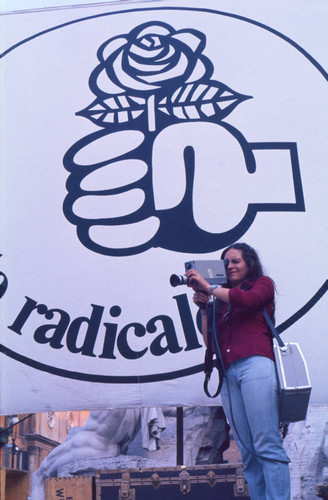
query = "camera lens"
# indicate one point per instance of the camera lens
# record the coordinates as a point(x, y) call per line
point(176, 280)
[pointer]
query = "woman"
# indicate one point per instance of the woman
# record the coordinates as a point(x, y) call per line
point(249, 392)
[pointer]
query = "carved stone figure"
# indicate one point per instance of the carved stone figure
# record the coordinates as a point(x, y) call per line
point(108, 433)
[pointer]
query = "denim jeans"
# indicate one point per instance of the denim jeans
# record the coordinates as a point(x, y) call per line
point(252, 384)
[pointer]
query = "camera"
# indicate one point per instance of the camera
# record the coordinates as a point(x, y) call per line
point(214, 272)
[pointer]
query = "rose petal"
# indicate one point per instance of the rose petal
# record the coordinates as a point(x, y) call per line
point(113, 45)
point(190, 39)
point(146, 67)
point(178, 70)
point(126, 79)
point(106, 85)
point(197, 73)
point(168, 55)
point(155, 29)
point(157, 41)
point(140, 51)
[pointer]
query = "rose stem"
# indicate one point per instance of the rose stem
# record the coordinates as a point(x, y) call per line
point(151, 113)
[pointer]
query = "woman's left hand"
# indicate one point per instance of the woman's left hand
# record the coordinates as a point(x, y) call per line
point(200, 299)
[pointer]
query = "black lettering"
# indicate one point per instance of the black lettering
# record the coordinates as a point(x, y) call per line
point(122, 341)
point(110, 335)
point(187, 322)
point(40, 334)
point(60, 493)
point(3, 284)
point(90, 337)
point(169, 334)
point(22, 317)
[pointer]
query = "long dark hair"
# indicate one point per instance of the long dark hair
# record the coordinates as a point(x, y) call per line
point(252, 260)
point(255, 269)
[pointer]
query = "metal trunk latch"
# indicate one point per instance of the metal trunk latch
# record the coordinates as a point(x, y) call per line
point(125, 492)
point(156, 481)
point(185, 483)
point(240, 488)
point(211, 478)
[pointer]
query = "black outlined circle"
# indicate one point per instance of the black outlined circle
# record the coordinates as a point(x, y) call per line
point(197, 368)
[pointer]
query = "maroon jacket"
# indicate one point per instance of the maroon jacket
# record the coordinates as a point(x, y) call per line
point(242, 329)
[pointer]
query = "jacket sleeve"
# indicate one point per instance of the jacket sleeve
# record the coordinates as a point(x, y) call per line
point(260, 293)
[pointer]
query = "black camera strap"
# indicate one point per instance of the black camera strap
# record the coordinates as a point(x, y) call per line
point(209, 363)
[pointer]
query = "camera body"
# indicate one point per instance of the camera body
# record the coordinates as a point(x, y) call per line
point(213, 271)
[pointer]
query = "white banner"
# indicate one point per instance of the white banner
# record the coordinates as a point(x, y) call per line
point(137, 137)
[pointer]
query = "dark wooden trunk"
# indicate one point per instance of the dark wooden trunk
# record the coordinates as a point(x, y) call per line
point(207, 482)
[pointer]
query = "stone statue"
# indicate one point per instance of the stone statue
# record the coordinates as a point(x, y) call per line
point(108, 433)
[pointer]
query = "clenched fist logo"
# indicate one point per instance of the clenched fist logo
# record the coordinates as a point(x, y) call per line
point(153, 172)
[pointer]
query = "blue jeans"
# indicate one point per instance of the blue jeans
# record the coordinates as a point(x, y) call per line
point(252, 384)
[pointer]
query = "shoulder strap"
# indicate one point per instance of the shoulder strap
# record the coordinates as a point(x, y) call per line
point(273, 330)
point(217, 306)
point(209, 363)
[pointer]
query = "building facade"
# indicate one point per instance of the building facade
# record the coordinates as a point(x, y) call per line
point(25, 442)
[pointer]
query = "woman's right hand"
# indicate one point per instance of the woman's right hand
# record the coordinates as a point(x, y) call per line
point(200, 299)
